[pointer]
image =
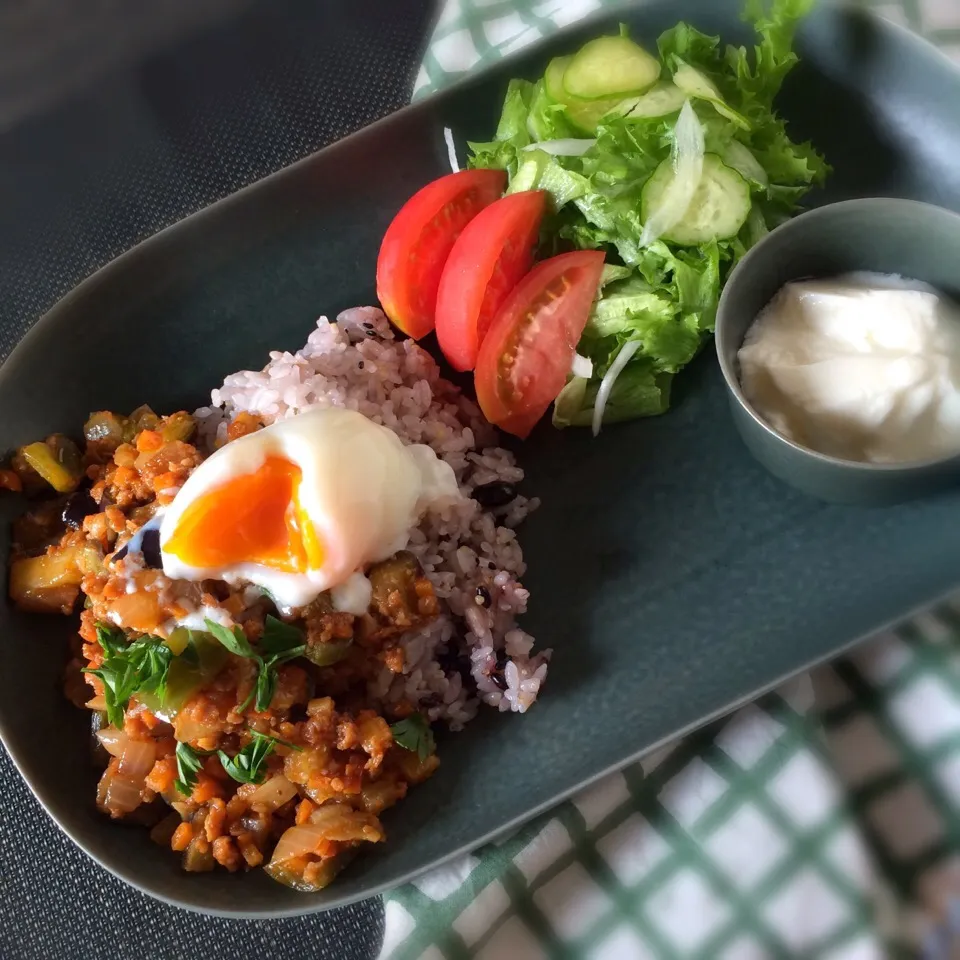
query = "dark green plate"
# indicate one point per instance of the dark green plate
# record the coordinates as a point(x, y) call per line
point(672, 575)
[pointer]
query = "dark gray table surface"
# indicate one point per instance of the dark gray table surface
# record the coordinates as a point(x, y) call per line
point(118, 117)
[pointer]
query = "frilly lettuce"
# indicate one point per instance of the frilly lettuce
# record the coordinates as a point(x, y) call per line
point(663, 294)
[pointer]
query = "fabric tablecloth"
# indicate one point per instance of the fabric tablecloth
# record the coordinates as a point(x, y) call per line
point(820, 821)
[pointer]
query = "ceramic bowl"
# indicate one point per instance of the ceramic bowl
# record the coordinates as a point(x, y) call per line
point(914, 240)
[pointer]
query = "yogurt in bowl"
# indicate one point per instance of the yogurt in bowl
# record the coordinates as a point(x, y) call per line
point(838, 337)
point(863, 367)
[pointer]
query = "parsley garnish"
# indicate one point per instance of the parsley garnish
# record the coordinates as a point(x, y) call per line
point(189, 762)
point(129, 668)
point(279, 643)
point(248, 766)
point(234, 640)
point(414, 734)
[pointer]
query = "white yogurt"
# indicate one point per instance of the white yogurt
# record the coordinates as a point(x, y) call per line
point(865, 367)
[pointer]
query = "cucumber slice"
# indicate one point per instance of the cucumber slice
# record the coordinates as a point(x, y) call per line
point(661, 101)
point(695, 84)
point(741, 158)
point(719, 208)
point(583, 114)
point(610, 67)
point(586, 114)
point(553, 78)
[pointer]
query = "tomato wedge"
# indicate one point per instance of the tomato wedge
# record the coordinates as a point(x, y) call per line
point(488, 260)
point(419, 240)
point(527, 353)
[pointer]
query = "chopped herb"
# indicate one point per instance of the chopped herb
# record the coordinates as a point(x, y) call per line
point(234, 640)
point(414, 734)
point(129, 668)
point(281, 638)
point(280, 642)
point(189, 762)
point(248, 766)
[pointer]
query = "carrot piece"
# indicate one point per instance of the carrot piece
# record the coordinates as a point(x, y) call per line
point(164, 481)
point(206, 789)
point(161, 777)
point(10, 481)
point(149, 440)
point(304, 809)
point(181, 837)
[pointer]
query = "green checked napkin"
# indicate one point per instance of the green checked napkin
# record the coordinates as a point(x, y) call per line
point(819, 822)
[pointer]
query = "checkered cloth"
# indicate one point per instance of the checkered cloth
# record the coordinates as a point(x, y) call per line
point(820, 821)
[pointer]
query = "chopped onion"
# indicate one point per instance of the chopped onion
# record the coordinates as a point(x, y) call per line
point(344, 824)
point(137, 759)
point(451, 150)
point(568, 147)
point(189, 729)
point(122, 794)
point(298, 841)
point(581, 366)
point(112, 740)
point(609, 379)
point(97, 703)
point(273, 794)
point(688, 152)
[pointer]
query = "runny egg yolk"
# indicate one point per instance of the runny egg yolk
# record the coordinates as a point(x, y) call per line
point(255, 517)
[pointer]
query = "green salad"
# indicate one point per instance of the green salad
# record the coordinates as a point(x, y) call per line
point(674, 165)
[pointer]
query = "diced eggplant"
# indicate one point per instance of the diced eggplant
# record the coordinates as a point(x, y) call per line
point(47, 584)
point(105, 428)
point(143, 418)
point(178, 426)
point(77, 507)
point(329, 653)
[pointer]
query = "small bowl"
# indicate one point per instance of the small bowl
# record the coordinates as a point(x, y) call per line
point(915, 240)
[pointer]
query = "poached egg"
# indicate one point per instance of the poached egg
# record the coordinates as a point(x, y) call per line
point(301, 506)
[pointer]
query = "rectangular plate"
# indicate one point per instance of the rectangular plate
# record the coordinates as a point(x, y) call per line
point(670, 574)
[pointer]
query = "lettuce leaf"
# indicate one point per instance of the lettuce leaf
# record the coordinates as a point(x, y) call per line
point(663, 295)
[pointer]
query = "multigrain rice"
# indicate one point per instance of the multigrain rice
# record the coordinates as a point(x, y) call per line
point(475, 650)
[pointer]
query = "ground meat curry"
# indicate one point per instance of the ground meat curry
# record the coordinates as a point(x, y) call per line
point(237, 746)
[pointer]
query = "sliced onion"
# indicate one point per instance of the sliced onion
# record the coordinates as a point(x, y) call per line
point(112, 740)
point(344, 824)
point(273, 794)
point(451, 150)
point(137, 759)
point(568, 147)
point(581, 366)
point(688, 151)
point(609, 379)
point(298, 841)
point(122, 794)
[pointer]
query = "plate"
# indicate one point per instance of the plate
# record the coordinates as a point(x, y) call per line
point(672, 576)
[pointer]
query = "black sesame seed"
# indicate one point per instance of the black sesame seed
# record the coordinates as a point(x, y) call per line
point(367, 325)
point(150, 548)
point(495, 494)
point(360, 365)
point(482, 597)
